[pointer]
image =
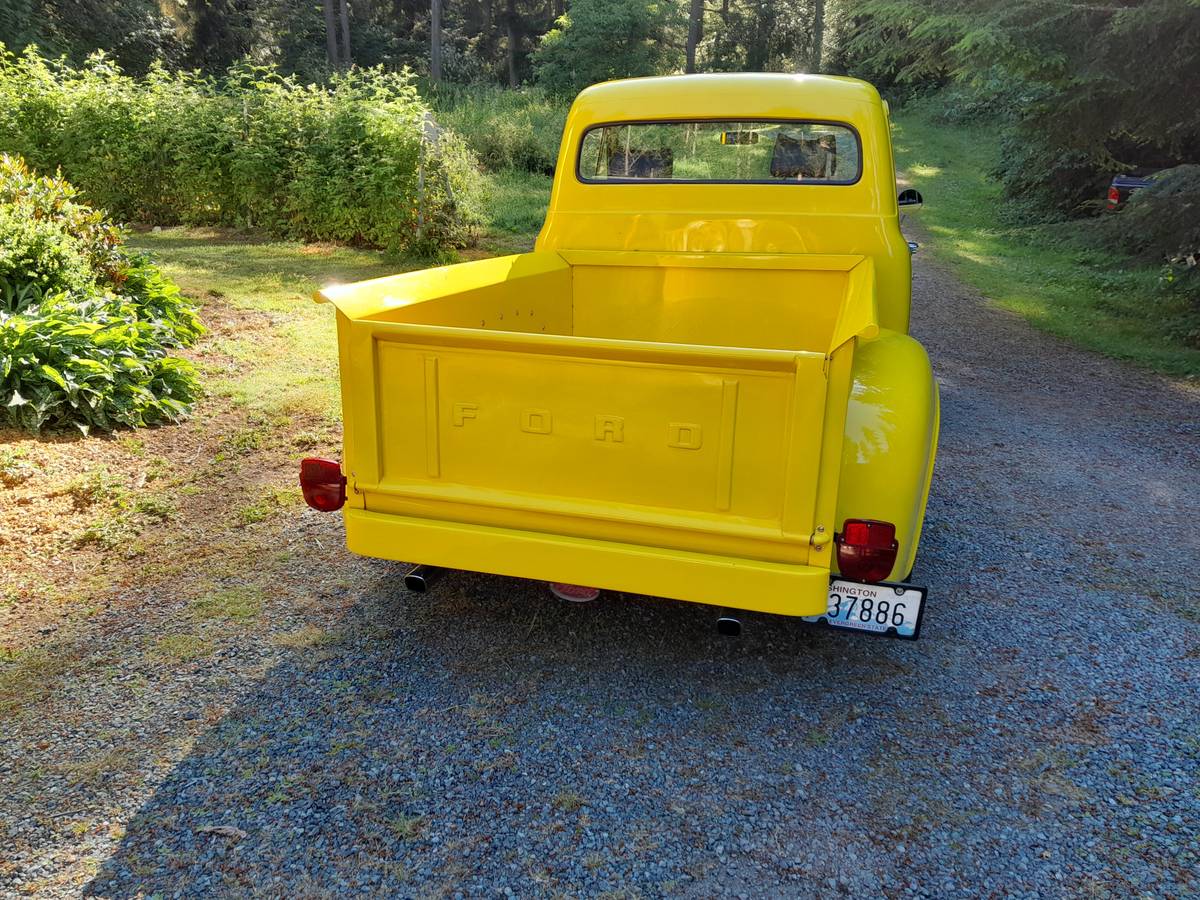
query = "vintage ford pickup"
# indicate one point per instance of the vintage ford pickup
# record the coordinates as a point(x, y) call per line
point(698, 386)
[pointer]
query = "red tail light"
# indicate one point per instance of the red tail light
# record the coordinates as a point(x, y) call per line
point(323, 484)
point(866, 549)
point(1114, 197)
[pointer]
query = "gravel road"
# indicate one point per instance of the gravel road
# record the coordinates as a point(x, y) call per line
point(1041, 739)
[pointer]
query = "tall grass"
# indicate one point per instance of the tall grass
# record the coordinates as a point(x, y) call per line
point(506, 129)
point(331, 162)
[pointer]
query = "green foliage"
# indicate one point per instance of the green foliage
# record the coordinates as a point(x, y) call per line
point(1161, 224)
point(1164, 215)
point(1060, 276)
point(759, 35)
point(1075, 93)
point(517, 201)
point(337, 162)
point(600, 40)
point(992, 96)
point(34, 245)
point(85, 325)
point(506, 129)
point(902, 46)
point(137, 32)
point(1086, 90)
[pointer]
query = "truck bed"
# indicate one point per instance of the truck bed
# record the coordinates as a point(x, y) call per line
point(685, 404)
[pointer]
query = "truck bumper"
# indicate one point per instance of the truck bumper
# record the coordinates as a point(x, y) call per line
point(770, 587)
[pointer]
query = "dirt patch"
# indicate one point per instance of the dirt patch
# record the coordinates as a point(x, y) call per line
point(83, 518)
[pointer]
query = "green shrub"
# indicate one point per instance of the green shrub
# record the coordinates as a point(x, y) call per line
point(36, 246)
point(1161, 223)
point(598, 40)
point(85, 325)
point(506, 129)
point(328, 162)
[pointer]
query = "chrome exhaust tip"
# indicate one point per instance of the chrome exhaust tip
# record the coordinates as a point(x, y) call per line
point(728, 626)
point(422, 579)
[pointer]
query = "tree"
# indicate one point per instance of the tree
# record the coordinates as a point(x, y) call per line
point(347, 56)
point(598, 40)
point(1083, 90)
point(512, 30)
point(331, 37)
point(215, 33)
point(760, 35)
point(134, 32)
point(695, 33)
point(435, 41)
point(818, 35)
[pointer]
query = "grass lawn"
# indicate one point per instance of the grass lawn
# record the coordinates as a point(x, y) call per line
point(517, 204)
point(1047, 273)
point(292, 368)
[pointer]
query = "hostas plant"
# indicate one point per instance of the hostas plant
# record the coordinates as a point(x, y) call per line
point(85, 324)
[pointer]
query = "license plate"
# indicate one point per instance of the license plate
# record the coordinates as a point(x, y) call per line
point(889, 610)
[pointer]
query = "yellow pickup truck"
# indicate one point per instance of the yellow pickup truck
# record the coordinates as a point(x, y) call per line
point(699, 385)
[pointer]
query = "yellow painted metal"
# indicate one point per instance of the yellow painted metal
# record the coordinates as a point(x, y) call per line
point(655, 399)
point(774, 219)
point(739, 583)
point(890, 440)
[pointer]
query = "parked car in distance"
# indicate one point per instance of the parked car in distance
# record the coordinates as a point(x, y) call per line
point(699, 385)
point(1123, 187)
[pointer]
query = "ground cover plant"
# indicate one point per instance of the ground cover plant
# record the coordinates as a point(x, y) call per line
point(351, 160)
point(86, 324)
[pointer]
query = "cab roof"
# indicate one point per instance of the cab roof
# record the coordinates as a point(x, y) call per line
point(748, 95)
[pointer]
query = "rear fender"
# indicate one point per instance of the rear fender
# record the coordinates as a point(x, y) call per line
point(890, 440)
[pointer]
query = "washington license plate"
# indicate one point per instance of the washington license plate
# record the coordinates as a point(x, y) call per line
point(890, 610)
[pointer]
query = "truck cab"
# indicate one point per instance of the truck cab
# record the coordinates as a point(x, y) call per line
point(699, 385)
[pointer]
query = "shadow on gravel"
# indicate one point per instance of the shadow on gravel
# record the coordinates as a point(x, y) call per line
point(487, 735)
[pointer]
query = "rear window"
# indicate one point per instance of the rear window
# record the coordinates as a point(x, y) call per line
point(753, 152)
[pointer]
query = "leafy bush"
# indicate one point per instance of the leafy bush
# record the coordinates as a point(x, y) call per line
point(599, 40)
point(992, 96)
point(1083, 91)
point(1161, 223)
point(507, 129)
point(36, 246)
point(336, 162)
point(85, 325)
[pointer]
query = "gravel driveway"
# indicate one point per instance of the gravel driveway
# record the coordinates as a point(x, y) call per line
point(1041, 738)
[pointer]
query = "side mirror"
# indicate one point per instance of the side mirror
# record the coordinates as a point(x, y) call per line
point(910, 197)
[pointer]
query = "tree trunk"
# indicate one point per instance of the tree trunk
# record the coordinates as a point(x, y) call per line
point(331, 38)
point(510, 25)
point(695, 28)
point(818, 36)
point(758, 46)
point(435, 41)
point(347, 59)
